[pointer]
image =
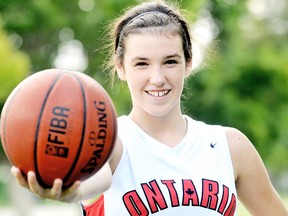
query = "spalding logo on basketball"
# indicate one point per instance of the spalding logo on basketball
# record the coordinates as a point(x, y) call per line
point(59, 124)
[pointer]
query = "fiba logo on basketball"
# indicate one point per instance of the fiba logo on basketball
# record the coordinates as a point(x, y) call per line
point(58, 126)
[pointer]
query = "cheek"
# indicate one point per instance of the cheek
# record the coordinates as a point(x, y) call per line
point(132, 81)
point(135, 76)
point(136, 83)
point(177, 77)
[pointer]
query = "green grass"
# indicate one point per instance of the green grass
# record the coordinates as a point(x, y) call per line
point(3, 195)
point(242, 211)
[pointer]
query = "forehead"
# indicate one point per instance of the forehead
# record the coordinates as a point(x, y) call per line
point(153, 44)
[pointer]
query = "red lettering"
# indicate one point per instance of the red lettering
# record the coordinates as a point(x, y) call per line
point(224, 203)
point(172, 191)
point(154, 196)
point(189, 193)
point(232, 207)
point(224, 199)
point(134, 204)
point(209, 194)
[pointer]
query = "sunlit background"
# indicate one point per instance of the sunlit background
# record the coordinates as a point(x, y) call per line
point(240, 54)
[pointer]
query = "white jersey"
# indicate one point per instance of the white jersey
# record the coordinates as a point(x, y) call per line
point(193, 178)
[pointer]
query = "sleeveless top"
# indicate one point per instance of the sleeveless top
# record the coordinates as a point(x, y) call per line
point(193, 178)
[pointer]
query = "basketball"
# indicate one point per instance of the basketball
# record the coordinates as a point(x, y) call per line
point(59, 124)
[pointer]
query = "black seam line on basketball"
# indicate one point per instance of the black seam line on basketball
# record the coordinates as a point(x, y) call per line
point(39, 179)
point(65, 179)
point(114, 114)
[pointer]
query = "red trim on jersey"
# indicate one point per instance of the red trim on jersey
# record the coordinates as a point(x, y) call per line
point(96, 208)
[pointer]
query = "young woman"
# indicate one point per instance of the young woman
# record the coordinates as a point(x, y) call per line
point(164, 162)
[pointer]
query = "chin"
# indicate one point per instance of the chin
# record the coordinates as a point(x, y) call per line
point(158, 113)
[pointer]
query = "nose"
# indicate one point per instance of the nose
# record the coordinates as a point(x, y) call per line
point(157, 77)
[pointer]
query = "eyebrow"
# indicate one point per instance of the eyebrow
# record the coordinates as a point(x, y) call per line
point(166, 57)
point(173, 56)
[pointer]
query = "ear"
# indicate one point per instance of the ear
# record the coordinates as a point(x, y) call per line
point(120, 70)
point(188, 68)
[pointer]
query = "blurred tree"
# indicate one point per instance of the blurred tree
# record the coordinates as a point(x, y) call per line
point(245, 83)
point(14, 66)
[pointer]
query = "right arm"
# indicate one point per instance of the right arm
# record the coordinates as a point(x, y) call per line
point(103, 178)
point(79, 191)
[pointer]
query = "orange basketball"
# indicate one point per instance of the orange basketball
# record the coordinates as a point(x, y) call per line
point(59, 124)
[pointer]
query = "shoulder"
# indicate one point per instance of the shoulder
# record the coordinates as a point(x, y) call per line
point(240, 147)
point(245, 158)
point(237, 140)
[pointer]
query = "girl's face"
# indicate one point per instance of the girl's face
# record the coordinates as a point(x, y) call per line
point(154, 68)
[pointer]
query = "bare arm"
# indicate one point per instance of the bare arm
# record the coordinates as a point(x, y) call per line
point(254, 188)
point(91, 187)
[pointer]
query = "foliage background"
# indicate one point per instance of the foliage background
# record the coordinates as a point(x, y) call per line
point(242, 81)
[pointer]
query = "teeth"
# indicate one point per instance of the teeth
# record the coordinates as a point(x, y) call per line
point(158, 93)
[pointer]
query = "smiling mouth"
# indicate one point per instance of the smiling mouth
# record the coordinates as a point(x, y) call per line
point(158, 93)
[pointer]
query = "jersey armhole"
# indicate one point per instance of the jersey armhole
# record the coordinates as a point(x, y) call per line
point(228, 152)
point(95, 208)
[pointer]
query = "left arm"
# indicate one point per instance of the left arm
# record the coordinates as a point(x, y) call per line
point(253, 185)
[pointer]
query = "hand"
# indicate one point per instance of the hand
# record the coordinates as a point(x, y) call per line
point(56, 193)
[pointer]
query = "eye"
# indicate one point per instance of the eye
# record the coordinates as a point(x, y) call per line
point(171, 61)
point(141, 64)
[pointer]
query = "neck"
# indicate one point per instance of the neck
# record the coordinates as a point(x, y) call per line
point(169, 129)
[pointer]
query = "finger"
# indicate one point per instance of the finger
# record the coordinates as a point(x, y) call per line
point(34, 185)
point(74, 187)
point(19, 177)
point(56, 190)
point(70, 194)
